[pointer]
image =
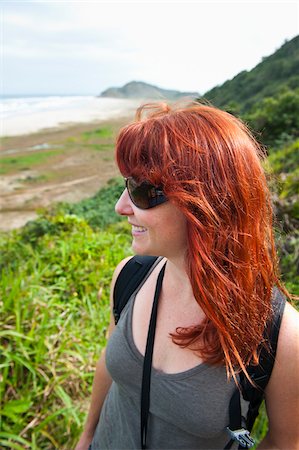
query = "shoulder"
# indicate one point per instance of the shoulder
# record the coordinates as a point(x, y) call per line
point(117, 271)
point(288, 340)
point(286, 363)
point(141, 265)
point(282, 392)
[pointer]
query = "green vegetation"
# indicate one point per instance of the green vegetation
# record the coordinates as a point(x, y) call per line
point(97, 137)
point(35, 179)
point(10, 164)
point(285, 160)
point(276, 119)
point(283, 165)
point(56, 271)
point(98, 211)
point(104, 132)
point(100, 139)
point(267, 97)
point(276, 73)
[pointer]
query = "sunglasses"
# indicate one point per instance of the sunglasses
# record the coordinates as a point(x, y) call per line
point(144, 195)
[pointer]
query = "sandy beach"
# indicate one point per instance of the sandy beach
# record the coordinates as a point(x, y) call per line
point(64, 163)
point(25, 115)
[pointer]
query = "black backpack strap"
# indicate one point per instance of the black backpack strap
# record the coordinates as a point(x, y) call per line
point(147, 362)
point(128, 280)
point(260, 375)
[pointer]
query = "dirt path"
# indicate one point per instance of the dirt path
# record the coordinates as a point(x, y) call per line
point(77, 169)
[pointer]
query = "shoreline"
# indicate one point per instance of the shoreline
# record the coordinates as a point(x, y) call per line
point(52, 133)
point(65, 163)
point(23, 116)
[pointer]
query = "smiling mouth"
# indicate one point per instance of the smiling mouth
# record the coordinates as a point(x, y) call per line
point(136, 229)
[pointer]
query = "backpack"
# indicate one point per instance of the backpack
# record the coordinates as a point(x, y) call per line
point(239, 428)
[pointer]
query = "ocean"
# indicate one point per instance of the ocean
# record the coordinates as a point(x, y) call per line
point(23, 115)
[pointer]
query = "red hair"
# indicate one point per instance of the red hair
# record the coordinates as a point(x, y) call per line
point(210, 167)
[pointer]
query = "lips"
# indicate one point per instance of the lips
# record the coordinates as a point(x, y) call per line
point(138, 229)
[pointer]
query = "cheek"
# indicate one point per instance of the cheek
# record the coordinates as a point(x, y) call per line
point(175, 227)
point(181, 233)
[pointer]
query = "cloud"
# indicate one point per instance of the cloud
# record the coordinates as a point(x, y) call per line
point(174, 44)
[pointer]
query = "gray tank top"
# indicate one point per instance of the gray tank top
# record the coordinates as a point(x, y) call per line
point(188, 410)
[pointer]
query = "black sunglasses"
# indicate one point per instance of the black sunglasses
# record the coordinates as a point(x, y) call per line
point(144, 195)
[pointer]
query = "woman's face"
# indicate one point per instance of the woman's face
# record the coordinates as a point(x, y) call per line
point(158, 231)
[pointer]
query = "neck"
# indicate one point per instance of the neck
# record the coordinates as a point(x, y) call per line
point(177, 277)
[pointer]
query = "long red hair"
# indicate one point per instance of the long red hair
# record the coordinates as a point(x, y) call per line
point(209, 165)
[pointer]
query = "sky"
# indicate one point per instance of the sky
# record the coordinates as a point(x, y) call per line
point(84, 47)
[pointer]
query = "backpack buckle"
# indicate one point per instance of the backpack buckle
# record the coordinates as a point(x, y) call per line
point(242, 436)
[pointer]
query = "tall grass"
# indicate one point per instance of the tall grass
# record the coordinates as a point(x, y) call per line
point(55, 317)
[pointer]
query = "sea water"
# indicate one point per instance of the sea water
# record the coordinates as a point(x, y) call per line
point(23, 115)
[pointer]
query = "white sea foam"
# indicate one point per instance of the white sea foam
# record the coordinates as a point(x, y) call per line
point(25, 115)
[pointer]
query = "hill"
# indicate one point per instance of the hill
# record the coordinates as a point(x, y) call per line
point(139, 89)
point(276, 73)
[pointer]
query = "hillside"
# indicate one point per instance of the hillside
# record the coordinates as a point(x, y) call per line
point(276, 73)
point(139, 89)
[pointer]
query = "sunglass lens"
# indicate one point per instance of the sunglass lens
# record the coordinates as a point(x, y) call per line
point(139, 193)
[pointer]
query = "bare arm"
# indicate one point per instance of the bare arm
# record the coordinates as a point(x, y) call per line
point(282, 393)
point(100, 387)
point(102, 380)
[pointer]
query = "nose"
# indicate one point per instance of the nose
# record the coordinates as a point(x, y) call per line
point(123, 206)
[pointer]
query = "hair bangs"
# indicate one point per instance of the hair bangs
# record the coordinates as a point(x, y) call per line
point(139, 153)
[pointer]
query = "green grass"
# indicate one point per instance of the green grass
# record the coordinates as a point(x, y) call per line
point(102, 147)
point(100, 139)
point(35, 179)
point(260, 427)
point(54, 311)
point(54, 322)
point(56, 274)
point(104, 132)
point(10, 164)
point(98, 210)
point(285, 159)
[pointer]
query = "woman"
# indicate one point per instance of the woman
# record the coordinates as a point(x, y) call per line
point(209, 217)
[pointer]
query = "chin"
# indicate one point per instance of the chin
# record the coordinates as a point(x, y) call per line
point(138, 250)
